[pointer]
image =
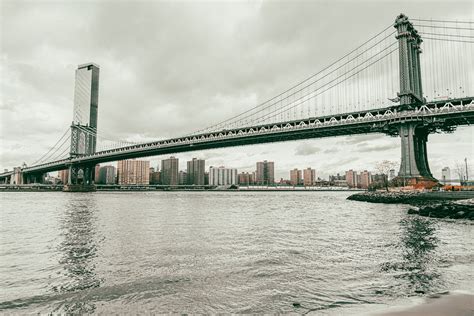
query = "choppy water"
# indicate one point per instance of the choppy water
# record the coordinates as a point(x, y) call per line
point(242, 252)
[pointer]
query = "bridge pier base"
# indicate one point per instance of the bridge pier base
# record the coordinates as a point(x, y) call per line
point(79, 188)
point(80, 179)
point(414, 167)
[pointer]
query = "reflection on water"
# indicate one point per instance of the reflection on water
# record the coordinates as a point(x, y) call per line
point(78, 251)
point(418, 265)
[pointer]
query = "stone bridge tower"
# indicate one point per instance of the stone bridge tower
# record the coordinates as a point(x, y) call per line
point(414, 166)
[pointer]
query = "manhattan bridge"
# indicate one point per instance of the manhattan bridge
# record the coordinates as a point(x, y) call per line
point(411, 79)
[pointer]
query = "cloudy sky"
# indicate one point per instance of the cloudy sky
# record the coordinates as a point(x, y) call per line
point(169, 68)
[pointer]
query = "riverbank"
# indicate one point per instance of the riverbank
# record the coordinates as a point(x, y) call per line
point(455, 210)
point(412, 198)
point(152, 188)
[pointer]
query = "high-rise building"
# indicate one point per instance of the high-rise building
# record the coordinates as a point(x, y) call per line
point(195, 171)
point(63, 176)
point(133, 172)
point(446, 175)
point(169, 171)
point(309, 176)
point(106, 175)
point(222, 176)
point(86, 101)
point(265, 172)
point(96, 173)
point(365, 179)
point(351, 178)
point(182, 178)
point(295, 177)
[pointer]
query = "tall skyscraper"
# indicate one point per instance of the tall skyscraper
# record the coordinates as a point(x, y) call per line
point(309, 176)
point(222, 176)
point(133, 172)
point(195, 171)
point(86, 101)
point(169, 171)
point(265, 172)
point(106, 175)
point(295, 177)
point(446, 175)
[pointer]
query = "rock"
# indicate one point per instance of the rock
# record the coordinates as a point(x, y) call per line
point(453, 210)
point(425, 205)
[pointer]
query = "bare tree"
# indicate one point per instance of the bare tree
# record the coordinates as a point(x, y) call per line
point(463, 171)
point(384, 167)
point(460, 171)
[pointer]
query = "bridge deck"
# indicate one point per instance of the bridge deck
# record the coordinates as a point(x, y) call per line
point(444, 115)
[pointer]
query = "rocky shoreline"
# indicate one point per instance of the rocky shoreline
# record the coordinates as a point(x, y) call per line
point(455, 210)
point(440, 205)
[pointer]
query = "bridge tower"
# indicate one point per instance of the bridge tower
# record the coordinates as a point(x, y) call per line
point(84, 124)
point(414, 166)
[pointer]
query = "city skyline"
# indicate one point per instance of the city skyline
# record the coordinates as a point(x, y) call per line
point(353, 179)
point(164, 108)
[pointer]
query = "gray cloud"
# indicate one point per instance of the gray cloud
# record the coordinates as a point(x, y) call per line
point(305, 149)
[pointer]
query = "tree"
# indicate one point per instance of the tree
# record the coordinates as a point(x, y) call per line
point(384, 167)
point(460, 171)
point(461, 168)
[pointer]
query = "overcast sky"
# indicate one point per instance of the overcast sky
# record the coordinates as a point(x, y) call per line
point(168, 68)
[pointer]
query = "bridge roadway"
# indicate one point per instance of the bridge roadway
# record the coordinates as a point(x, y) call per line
point(439, 116)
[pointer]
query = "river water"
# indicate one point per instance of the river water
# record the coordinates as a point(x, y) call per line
point(208, 252)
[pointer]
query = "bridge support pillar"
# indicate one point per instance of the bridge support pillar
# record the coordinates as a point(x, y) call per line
point(17, 176)
point(80, 179)
point(33, 178)
point(414, 167)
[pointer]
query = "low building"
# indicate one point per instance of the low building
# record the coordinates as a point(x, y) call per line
point(182, 177)
point(446, 176)
point(155, 177)
point(246, 178)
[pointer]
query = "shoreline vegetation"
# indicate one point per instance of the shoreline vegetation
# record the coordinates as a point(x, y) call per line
point(442, 204)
